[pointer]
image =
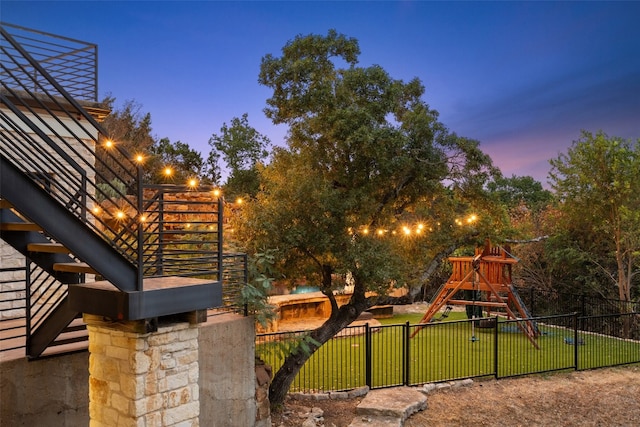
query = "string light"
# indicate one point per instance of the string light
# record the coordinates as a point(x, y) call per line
point(216, 192)
point(417, 229)
point(108, 143)
point(192, 183)
point(139, 158)
point(168, 171)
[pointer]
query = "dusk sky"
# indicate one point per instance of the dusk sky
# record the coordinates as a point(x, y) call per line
point(523, 78)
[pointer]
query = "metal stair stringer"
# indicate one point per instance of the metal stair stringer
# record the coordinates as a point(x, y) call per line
point(45, 334)
point(38, 206)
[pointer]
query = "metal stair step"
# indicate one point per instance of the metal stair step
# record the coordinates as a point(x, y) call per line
point(74, 267)
point(79, 336)
point(61, 349)
point(73, 338)
point(20, 226)
point(50, 248)
point(76, 325)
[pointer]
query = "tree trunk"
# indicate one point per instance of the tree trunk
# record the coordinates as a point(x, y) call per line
point(339, 319)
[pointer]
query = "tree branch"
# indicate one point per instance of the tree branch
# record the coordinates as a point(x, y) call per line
point(534, 240)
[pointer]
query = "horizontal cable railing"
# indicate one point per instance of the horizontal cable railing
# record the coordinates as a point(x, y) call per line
point(181, 232)
point(72, 63)
point(234, 278)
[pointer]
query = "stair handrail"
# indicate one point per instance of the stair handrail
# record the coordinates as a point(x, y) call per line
point(41, 92)
point(124, 163)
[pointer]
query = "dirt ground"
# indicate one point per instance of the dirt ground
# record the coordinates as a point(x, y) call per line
point(603, 397)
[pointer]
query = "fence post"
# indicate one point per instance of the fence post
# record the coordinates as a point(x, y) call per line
point(495, 348)
point(532, 302)
point(140, 229)
point(367, 354)
point(575, 338)
point(407, 356)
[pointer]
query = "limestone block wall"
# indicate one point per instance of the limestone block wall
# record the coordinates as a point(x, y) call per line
point(150, 377)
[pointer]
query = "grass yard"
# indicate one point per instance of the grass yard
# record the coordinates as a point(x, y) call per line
point(446, 351)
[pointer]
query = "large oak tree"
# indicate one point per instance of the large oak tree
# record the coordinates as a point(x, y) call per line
point(363, 152)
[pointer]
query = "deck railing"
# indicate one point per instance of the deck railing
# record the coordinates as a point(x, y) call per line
point(50, 130)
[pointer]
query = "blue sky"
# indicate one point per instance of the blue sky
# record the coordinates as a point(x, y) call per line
point(523, 78)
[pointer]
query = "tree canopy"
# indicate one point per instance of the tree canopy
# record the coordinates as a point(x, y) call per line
point(242, 148)
point(597, 183)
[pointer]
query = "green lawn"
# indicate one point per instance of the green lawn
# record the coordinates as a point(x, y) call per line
point(446, 351)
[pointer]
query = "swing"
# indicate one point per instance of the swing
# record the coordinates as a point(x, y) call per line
point(443, 316)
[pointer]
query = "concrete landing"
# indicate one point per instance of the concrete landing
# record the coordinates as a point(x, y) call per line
point(389, 407)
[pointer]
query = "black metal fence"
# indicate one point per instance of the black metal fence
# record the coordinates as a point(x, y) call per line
point(388, 355)
point(541, 302)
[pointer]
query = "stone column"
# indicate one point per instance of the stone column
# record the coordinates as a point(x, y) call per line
point(141, 379)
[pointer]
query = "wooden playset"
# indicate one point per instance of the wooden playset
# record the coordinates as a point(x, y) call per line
point(487, 276)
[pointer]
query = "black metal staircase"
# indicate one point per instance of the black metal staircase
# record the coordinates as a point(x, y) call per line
point(151, 252)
